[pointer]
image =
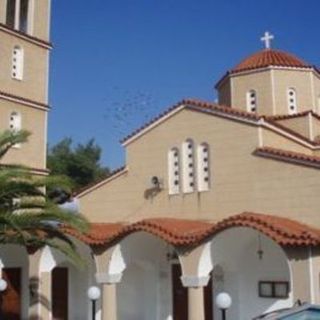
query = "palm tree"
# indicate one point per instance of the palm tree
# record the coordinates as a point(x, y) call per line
point(27, 216)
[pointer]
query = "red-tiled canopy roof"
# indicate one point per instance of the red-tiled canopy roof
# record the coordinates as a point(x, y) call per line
point(188, 233)
point(270, 57)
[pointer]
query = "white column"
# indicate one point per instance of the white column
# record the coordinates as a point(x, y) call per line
point(40, 307)
point(109, 294)
point(17, 15)
point(195, 284)
point(3, 11)
point(196, 304)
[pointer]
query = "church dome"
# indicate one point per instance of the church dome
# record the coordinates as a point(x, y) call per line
point(270, 57)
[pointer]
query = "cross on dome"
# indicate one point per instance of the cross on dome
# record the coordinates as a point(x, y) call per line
point(267, 39)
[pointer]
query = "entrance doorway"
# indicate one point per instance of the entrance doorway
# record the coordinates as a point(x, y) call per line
point(11, 297)
point(60, 292)
point(180, 296)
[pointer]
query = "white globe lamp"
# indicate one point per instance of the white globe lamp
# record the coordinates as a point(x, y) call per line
point(223, 302)
point(3, 285)
point(94, 294)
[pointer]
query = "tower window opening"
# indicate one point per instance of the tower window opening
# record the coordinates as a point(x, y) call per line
point(174, 171)
point(292, 101)
point(251, 101)
point(11, 12)
point(17, 63)
point(23, 19)
point(188, 166)
point(18, 14)
point(203, 173)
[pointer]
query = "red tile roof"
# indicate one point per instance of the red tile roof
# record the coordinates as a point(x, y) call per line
point(102, 180)
point(289, 116)
point(270, 57)
point(196, 105)
point(283, 231)
point(189, 233)
point(290, 156)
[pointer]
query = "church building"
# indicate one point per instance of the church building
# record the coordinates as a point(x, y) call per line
point(212, 197)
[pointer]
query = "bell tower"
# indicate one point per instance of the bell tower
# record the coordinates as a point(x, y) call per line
point(24, 72)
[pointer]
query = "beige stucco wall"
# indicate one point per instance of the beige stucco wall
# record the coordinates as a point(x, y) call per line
point(3, 11)
point(271, 85)
point(40, 15)
point(300, 125)
point(224, 92)
point(260, 81)
point(278, 141)
point(316, 83)
point(41, 27)
point(301, 81)
point(34, 83)
point(316, 127)
point(33, 153)
point(298, 259)
point(240, 180)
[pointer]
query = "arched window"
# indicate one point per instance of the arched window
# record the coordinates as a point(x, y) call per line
point(17, 63)
point(174, 171)
point(252, 101)
point(203, 167)
point(15, 121)
point(188, 166)
point(292, 101)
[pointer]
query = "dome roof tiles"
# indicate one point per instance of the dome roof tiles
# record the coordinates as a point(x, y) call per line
point(270, 57)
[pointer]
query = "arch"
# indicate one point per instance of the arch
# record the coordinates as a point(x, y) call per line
point(146, 279)
point(188, 179)
point(174, 179)
point(292, 100)
point(236, 251)
point(203, 167)
point(251, 100)
point(17, 63)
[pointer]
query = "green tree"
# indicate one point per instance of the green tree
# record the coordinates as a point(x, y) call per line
point(81, 163)
point(27, 216)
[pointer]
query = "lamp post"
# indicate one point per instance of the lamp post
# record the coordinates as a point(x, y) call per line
point(223, 302)
point(94, 294)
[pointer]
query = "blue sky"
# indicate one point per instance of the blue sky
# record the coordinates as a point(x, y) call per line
point(116, 63)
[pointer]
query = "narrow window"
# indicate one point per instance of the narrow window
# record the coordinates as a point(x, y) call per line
point(292, 101)
point(188, 166)
point(203, 167)
point(174, 171)
point(17, 63)
point(11, 12)
point(319, 104)
point(23, 19)
point(15, 121)
point(252, 101)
